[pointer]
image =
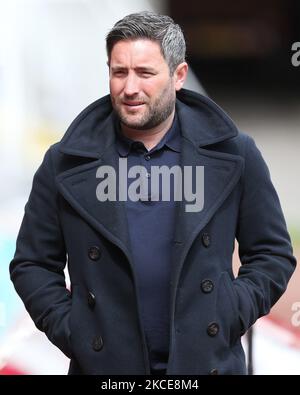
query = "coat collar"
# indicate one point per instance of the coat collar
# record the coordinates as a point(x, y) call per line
point(202, 122)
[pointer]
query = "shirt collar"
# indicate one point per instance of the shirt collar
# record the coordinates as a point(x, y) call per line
point(172, 139)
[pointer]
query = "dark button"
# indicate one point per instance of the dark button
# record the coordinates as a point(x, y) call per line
point(207, 286)
point(213, 329)
point(97, 343)
point(214, 372)
point(91, 300)
point(147, 157)
point(94, 253)
point(206, 240)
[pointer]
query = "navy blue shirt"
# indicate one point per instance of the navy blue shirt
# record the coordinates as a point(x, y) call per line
point(151, 229)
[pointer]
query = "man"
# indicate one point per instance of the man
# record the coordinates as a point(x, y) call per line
point(152, 288)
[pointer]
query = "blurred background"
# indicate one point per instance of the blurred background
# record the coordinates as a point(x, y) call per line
point(53, 64)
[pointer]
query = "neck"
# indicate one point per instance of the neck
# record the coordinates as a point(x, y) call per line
point(149, 137)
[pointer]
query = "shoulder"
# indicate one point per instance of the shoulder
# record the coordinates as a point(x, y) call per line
point(238, 145)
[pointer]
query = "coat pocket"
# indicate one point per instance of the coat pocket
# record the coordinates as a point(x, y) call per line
point(56, 326)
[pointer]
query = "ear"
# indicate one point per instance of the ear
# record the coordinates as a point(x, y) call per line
point(180, 75)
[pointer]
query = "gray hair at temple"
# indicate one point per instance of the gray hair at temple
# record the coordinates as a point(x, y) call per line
point(152, 26)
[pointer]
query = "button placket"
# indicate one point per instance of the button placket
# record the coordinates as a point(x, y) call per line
point(146, 180)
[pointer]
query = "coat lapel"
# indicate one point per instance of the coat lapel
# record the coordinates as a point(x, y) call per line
point(79, 184)
point(221, 173)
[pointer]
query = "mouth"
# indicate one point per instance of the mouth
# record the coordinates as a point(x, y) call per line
point(133, 104)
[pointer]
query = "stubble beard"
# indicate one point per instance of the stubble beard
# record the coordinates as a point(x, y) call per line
point(155, 114)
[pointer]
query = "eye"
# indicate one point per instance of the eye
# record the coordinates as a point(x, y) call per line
point(119, 73)
point(146, 74)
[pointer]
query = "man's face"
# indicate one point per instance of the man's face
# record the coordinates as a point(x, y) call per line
point(141, 88)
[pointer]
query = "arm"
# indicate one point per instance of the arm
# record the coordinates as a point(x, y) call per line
point(264, 244)
point(40, 258)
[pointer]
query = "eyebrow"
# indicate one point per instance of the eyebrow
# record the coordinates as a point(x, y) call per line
point(116, 68)
point(139, 68)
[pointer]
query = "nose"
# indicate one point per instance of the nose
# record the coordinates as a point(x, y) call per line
point(131, 85)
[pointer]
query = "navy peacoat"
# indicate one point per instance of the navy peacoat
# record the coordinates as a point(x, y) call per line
point(97, 322)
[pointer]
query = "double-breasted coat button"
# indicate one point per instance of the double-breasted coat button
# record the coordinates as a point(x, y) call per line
point(213, 329)
point(214, 372)
point(91, 300)
point(207, 286)
point(94, 253)
point(206, 240)
point(97, 343)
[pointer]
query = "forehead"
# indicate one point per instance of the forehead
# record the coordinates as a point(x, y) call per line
point(137, 52)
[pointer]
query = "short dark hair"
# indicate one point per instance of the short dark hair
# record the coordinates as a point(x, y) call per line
point(152, 26)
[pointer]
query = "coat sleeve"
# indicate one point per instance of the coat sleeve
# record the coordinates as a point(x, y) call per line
point(265, 250)
point(37, 269)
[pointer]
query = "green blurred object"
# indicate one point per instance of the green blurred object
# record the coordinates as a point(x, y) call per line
point(295, 235)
